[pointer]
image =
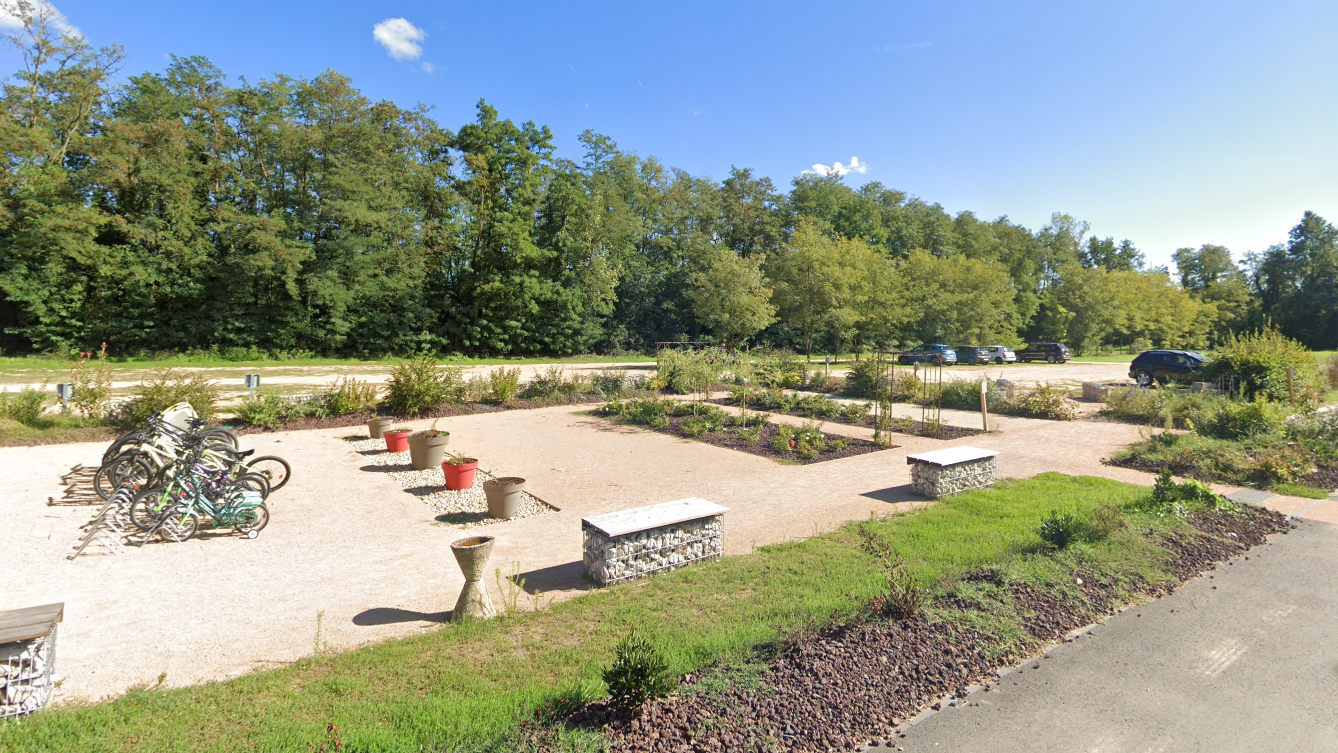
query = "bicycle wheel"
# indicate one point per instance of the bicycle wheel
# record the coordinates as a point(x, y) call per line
point(126, 469)
point(273, 468)
point(254, 482)
point(147, 507)
point(179, 525)
point(124, 442)
point(252, 519)
point(222, 436)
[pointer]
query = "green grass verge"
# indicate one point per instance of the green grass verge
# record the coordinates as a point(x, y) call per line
point(466, 687)
point(54, 430)
point(1301, 490)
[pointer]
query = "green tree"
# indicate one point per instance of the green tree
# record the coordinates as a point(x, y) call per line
point(730, 296)
point(957, 300)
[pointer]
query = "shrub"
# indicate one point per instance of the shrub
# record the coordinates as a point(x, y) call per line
point(862, 378)
point(165, 389)
point(1238, 420)
point(1045, 401)
point(904, 598)
point(25, 406)
point(1255, 364)
point(642, 411)
point(418, 386)
point(503, 384)
point(92, 383)
point(1170, 498)
point(809, 440)
point(551, 383)
point(1281, 465)
point(684, 371)
point(818, 381)
point(1059, 530)
point(783, 440)
point(1331, 372)
point(906, 387)
point(1318, 431)
point(778, 368)
point(638, 673)
point(609, 382)
point(347, 395)
point(267, 410)
point(1102, 522)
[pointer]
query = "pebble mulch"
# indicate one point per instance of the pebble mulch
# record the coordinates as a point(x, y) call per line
point(465, 508)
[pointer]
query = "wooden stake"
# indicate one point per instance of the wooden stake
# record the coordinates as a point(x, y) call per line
point(984, 408)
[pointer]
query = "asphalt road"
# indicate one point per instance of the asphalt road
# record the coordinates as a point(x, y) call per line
point(1244, 660)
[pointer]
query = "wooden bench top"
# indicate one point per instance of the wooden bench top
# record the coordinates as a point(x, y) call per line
point(950, 456)
point(652, 516)
point(29, 623)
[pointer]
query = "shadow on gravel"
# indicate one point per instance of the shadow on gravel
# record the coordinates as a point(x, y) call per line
point(387, 468)
point(894, 494)
point(391, 616)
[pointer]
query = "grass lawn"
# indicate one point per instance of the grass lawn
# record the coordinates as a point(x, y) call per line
point(468, 686)
point(1122, 358)
point(54, 430)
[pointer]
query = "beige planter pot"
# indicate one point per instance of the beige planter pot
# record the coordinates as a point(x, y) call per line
point(377, 426)
point(504, 496)
point(427, 452)
point(472, 554)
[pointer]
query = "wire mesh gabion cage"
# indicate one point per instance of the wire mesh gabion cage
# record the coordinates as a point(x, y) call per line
point(27, 671)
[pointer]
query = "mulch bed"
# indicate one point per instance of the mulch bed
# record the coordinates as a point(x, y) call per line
point(1326, 477)
point(853, 684)
point(917, 428)
point(464, 409)
point(730, 439)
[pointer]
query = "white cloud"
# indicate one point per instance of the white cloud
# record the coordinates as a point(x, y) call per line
point(836, 168)
point(402, 40)
point(10, 18)
point(429, 68)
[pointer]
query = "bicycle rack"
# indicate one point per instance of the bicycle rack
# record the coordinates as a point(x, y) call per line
point(111, 526)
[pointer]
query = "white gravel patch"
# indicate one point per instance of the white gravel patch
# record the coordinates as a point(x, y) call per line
point(466, 508)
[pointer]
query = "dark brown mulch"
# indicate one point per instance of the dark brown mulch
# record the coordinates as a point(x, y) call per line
point(916, 429)
point(730, 439)
point(465, 409)
point(853, 684)
point(1326, 477)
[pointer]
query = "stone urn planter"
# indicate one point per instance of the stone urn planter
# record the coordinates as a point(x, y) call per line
point(472, 553)
point(459, 473)
point(428, 448)
point(504, 496)
point(377, 426)
point(397, 440)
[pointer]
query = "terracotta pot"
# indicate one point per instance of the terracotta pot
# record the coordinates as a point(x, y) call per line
point(460, 476)
point(427, 452)
point(377, 426)
point(397, 441)
point(504, 496)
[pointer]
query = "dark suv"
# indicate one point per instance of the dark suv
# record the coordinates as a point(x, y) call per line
point(942, 355)
point(972, 354)
point(1048, 352)
point(1162, 366)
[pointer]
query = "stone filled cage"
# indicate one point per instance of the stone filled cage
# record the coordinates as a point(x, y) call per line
point(27, 674)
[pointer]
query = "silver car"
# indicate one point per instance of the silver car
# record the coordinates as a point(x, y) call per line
point(1000, 354)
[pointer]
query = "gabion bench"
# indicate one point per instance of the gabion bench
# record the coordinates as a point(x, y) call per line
point(27, 658)
point(956, 469)
point(635, 543)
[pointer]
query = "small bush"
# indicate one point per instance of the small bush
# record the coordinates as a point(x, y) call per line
point(781, 369)
point(1171, 498)
point(550, 384)
point(25, 406)
point(609, 382)
point(503, 384)
point(347, 395)
point(419, 386)
point(1281, 465)
point(639, 672)
point(267, 410)
point(1318, 431)
point(904, 598)
point(1045, 401)
point(165, 389)
point(1255, 365)
point(1059, 530)
point(862, 379)
point(92, 383)
point(1238, 420)
point(1102, 522)
point(783, 440)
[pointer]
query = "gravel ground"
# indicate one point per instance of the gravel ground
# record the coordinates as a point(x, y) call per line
point(465, 508)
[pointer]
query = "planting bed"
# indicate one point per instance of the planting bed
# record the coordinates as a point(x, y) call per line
point(729, 437)
point(465, 508)
point(853, 684)
point(447, 411)
point(912, 428)
point(1325, 476)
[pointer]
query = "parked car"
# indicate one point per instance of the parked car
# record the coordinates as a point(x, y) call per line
point(972, 354)
point(1048, 352)
point(1162, 366)
point(943, 355)
point(1001, 354)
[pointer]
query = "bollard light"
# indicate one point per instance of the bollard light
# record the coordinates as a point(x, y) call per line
point(65, 392)
point(251, 381)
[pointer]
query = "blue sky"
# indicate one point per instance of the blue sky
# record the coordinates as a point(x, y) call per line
point(1171, 124)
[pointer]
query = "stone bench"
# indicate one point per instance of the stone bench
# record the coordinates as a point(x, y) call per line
point(956, 469)
point(635, 543)
point(28, 658)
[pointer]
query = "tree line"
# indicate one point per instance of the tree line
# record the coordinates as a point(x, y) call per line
point(178, 211)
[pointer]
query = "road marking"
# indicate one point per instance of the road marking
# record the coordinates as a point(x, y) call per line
point(1220, 659)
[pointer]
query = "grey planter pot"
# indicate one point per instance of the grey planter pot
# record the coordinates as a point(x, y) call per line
point(504, 496)
point(377, 426)
point(472, 554)
point(427, 452)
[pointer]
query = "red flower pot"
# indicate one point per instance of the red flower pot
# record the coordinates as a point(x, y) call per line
point(461, 475)
point(397, 441)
